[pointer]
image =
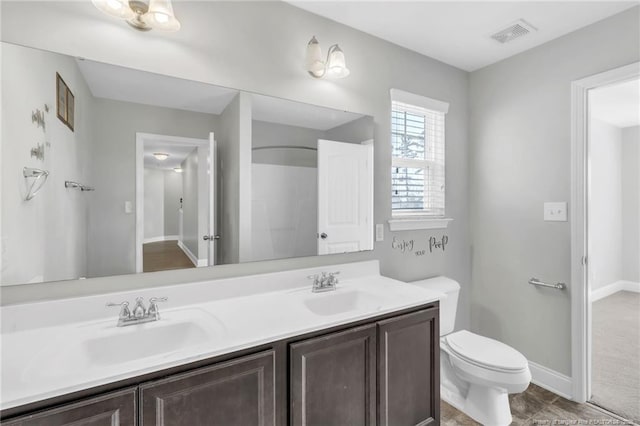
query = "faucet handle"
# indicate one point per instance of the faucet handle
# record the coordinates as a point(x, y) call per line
point(332, 280)
point(124, 311)
point(153, 306)
point(139, 310)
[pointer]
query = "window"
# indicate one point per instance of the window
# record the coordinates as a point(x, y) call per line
point(418, 148)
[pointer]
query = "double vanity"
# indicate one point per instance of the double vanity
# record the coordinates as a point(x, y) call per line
point(262, 349)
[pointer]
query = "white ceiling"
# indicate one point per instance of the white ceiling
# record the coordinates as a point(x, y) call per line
point(282, 111)
point(618, 104)
point(141, 87)
point(458, 32)
point(178, 152)
point(129, 85)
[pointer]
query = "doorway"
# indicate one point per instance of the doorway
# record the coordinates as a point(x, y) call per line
point(605, 310)
point(175, 204)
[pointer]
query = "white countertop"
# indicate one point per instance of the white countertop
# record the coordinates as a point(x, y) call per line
point(45, 353)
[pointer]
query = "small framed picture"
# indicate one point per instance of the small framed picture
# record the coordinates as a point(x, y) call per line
point(65, 103)
point(61, 95)
point(71, 104)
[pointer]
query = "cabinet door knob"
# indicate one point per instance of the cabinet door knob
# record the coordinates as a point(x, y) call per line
point(323, 236)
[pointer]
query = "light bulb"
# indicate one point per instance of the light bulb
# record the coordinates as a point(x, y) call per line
point(160, 16)
point(116, 8)
point(337, 65)
point(161, 155)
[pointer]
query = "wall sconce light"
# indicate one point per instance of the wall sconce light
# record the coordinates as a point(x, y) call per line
point(177, 169)
point(334, 67)
point(157, 14)
point(161, 156)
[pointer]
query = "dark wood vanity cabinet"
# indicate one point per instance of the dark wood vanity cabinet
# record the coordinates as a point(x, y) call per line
point(385, 373)
point(382, 371)
point(333, 379)
point(409, 369)
point(112, 409)
point(238, 392)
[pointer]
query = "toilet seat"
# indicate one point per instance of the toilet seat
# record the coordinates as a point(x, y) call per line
point(485, 352)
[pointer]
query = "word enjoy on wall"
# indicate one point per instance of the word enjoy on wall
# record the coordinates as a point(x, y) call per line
point(408, 246)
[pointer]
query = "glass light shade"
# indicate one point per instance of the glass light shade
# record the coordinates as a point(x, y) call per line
point(160, 16)
point(313, 61)
point(161, 155)
point(337, 66)
point(116, 8)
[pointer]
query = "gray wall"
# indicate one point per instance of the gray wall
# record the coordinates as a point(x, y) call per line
point(172, 195)
point(520, 116)
point(272, 134)
point(605, 204)
point(32, 237)
point(227, 138)
point(113, 174)
point(355, 131)
point(631, 203)
point(153, 203)
point(259, 46)
point(190, 202)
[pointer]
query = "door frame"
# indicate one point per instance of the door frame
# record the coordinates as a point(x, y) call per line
point(580, 297)
point(141, 138)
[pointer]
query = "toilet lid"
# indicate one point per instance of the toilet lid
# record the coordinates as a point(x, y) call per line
point(486, 352)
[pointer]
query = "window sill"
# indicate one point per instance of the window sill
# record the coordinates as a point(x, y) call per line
point(414, 223)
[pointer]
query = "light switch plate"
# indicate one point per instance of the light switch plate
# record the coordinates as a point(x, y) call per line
point(379, 232)
point(555, 212)
point(128, 207)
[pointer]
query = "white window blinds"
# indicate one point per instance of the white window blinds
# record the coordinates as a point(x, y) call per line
point(418, 148)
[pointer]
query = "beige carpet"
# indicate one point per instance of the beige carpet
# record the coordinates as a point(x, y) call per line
point(615, 376)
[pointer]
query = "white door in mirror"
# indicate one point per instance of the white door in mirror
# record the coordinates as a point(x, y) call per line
point(345, 197)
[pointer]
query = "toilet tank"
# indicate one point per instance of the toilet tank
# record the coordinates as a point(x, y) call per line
point(448, 305)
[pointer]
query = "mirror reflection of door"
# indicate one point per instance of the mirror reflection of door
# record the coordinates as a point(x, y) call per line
point(176, 202)
point(345, 182)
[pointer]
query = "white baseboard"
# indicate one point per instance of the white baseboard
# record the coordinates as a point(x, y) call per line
point(551, 380)
point(615, 287)
point(192, 257)
point(161, 238)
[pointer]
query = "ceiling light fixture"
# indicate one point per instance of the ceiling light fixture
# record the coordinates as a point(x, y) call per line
point(161, 155)
point(156, 14)
point(334, 67)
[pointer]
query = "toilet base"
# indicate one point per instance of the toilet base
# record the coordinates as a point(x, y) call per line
point(489, 406)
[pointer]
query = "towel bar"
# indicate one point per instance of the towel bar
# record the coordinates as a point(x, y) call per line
point(557, 286)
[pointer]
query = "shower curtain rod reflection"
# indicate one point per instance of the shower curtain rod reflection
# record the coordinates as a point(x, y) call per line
point(308, 148)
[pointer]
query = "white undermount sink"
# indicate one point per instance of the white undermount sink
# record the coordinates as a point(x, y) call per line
point(151, 339)
point(102, 344)
point(341, 301)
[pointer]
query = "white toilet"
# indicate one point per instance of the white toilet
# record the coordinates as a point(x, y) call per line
point(476, 373)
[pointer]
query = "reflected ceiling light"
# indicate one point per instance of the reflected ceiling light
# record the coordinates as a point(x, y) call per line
point(334, 67)
point(143, 16)
point(177, 169)
point(161, 155)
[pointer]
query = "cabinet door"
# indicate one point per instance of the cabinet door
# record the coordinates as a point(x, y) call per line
point(237, 392)
point(113, 409)
point(333, 379)
point(409, 369)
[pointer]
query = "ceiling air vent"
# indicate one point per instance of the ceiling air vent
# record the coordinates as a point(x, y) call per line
point(516, 30)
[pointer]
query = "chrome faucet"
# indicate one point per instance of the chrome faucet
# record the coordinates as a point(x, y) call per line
point(325, 281)
point(139, 315)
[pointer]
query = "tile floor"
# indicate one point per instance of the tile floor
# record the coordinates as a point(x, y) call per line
point(538, 406)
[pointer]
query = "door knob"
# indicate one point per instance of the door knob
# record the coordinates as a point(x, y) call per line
point(211, 237)
point(323, 236)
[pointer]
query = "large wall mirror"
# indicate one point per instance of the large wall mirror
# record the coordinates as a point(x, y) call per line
point(108, 171)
